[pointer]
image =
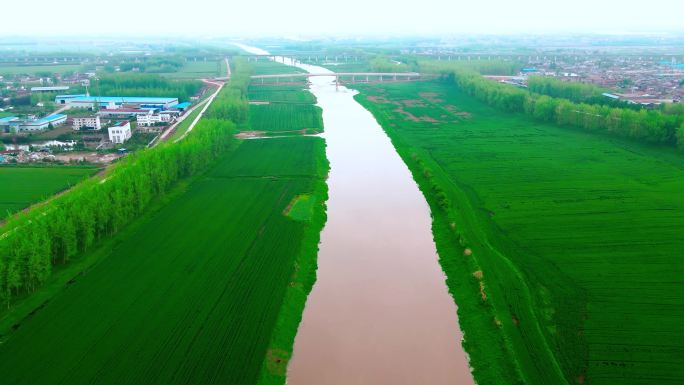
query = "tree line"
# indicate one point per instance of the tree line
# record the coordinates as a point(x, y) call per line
point(641, 125)
point(484, 67)
point(132, 84)
point(54, 233)
point(231, 103)
point(576, 92)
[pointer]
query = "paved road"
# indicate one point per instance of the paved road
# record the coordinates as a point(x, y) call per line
point(206, 103)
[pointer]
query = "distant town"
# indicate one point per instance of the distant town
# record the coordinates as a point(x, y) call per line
point(48, 113)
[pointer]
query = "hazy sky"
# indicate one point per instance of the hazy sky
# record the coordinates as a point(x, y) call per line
point(309, 17)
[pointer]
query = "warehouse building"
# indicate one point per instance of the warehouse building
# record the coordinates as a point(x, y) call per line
point(43, 123)
point(50, 89)
point(114, 102)
point(9, 124)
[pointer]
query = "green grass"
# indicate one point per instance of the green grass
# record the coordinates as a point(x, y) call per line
point(281, 94)
point(199, 70)
point(578, 238)
point(183, 126)
point(192, 294)
point(21, 186)
point(301, 208)
point(269, 67)
point(283, 118)
point(32, 69)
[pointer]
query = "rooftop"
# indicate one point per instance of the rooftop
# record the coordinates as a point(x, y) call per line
point(119, 99)
point(8, 119)
point(47, 119)
point(55, 88)
point(121, 123)
point(182, 105)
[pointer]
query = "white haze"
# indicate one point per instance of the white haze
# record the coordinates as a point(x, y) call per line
point(311, 18)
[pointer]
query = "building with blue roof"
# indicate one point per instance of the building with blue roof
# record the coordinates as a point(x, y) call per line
point(9, 124)
point(182, 106)
point(114, 102)
point(43, 123)
point(8, 119)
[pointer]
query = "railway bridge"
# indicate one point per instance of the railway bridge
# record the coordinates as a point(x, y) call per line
point(352, 77)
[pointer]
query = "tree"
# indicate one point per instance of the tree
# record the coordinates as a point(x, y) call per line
point(679, 135)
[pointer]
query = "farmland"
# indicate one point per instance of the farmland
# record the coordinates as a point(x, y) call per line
point(213, 271)
point(281, 94)
point(205, 278)
point(561, 248)
point(198, 70)
point(22, 186)
point(35, 69)
point(282, 118)
point(290, 108)
point(268, 67)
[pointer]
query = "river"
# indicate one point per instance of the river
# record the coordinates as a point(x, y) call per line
point(380, 312)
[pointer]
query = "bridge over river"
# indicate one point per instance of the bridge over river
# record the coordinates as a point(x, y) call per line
point(352, 77)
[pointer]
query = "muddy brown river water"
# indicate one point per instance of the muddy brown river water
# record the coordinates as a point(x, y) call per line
point(380, 312)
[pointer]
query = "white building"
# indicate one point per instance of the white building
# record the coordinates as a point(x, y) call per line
point(149, 119)
point(120, 132)
point(92, 122)
point(153, 119)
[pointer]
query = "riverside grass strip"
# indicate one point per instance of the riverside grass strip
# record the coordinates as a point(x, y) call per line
point(286, 118)
point(281, 94)
point(23, 186)
point(575, 271)
point(193, 294)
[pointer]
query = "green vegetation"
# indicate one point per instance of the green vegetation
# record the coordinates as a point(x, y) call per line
point(35, 69)
point(185, 124)
point(231, 103)
point(145, 85)
point(301, 208)
point(561, 247)
point(215, 268)
point(24, 185)
point(280, 94)
point(153, 64)
point(384, 64)
point(484, 67)
point(576, 92)
point(285, 118)
point(641, 126)
point(269, 67)
point(58, 231)
point(198, 70)
point(205, 277)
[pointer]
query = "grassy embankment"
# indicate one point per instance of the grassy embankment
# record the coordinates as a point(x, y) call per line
point(198, 70)
point(205, 278)
point(575, 243)
point(23, 186)
point(290, 109)
point(296, 106)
